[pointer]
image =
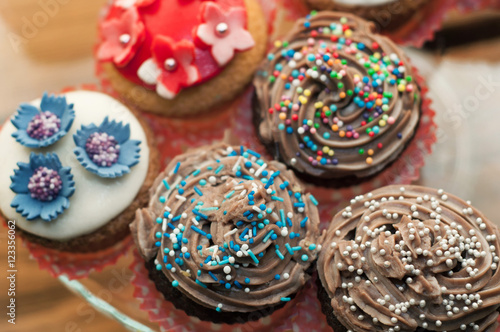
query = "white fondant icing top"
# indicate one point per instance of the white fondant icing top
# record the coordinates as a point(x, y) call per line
point(364, 2)
point(96, 200)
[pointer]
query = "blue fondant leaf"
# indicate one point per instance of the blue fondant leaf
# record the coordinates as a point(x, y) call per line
point(68, 187)
point(54, 104)
point(129, 153)
point(51, 160)
point(21, 178)
point(81, 135)
point(24, 114)
point(27, 206)
point(50, 210)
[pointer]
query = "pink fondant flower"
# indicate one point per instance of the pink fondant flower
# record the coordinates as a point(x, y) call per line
point(224, 31)
point(122, 38)
point(171, 68)
point(130, 3)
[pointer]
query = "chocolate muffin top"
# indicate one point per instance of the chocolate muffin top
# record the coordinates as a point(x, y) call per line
point(411, 258)
point(334, 100)
point(229, 230)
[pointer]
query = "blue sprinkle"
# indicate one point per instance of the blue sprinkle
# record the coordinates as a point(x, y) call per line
point(197, 230)
point(253, 153)
point(228, 285)
point(290, 251)
point(177, 167)
point(268, 235)
point(277, 277)
point(313, 200)
point(165, 183)
point(303, 222)
point(217, 171)
point(198, 191)
point(252, 256)
point(276, 198)
point(208, 259)
point(158, 267)
point(247, 280)
point(289, 222)
point(299, 205)
point(279, 254)
point(201, 284)
point(238, 284)
point(199, 214)
point(177, 218)
point(213, 276)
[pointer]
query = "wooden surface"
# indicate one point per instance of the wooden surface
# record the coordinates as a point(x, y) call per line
point(59, 54)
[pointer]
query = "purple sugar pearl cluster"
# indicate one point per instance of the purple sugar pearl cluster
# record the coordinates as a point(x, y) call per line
point(45, 184)
point(102, 149)
point(44, 125)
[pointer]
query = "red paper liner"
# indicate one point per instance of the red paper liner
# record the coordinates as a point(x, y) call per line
point(415, 32)
point(76, 265)
point(302, 313)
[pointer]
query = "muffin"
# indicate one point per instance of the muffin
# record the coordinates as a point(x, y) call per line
point(77, 167)
point(410, 259)
point(227, 237)
point(336, 102)
point(180, 58)
point(388, 15)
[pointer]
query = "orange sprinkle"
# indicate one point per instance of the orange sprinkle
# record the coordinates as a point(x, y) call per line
point(342, 95)
point(370, 152)
point(342, 133)
point(369, 160)
point(283, 115)
point(335, 127)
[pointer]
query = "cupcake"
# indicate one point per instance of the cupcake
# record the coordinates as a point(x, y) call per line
point(410, 259)
point(388, 15)
point(76, 168)
point(336, 102)
point(227, 237)
point(180, 58)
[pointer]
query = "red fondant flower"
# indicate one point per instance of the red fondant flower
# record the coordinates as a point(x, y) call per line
point(130, 3)
point(171, 67)
point(122, 38)
point(224, 31)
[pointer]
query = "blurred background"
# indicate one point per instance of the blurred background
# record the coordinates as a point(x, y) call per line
point(47, 45)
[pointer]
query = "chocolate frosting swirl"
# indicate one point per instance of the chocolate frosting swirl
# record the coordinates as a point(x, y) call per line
point(400, 259)
point(231, 231)
point(336, 100)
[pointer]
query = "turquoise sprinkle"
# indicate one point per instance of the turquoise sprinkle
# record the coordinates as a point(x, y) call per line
point(213, 208)
point(175, 283)
point(198, 191)
point(252, 256)
point(276, 198)
point(201, 284)
point(217, 171)
point(312, 247)
point(305, 258)
point(285, 299)
point(287, 246)
point(268, 235)
point(228, 196)
point(177, 167)
point(279, 254)
point(203, 182)
point(166, 184)
point(313, 200)
point(282, 215)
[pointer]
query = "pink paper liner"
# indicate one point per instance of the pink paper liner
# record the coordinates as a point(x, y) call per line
point(467, 6)
point(76, 265)
point(303, 309)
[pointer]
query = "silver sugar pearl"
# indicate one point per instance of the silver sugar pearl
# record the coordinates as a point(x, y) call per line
point(170, 64)
point(221, 29)
point(125, 38)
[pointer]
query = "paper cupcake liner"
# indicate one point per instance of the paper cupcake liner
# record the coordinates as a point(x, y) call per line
point(467, 6)
point(74, 265)
point(302, 313)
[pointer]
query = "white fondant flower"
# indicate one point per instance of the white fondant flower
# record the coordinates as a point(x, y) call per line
point(224, 31)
